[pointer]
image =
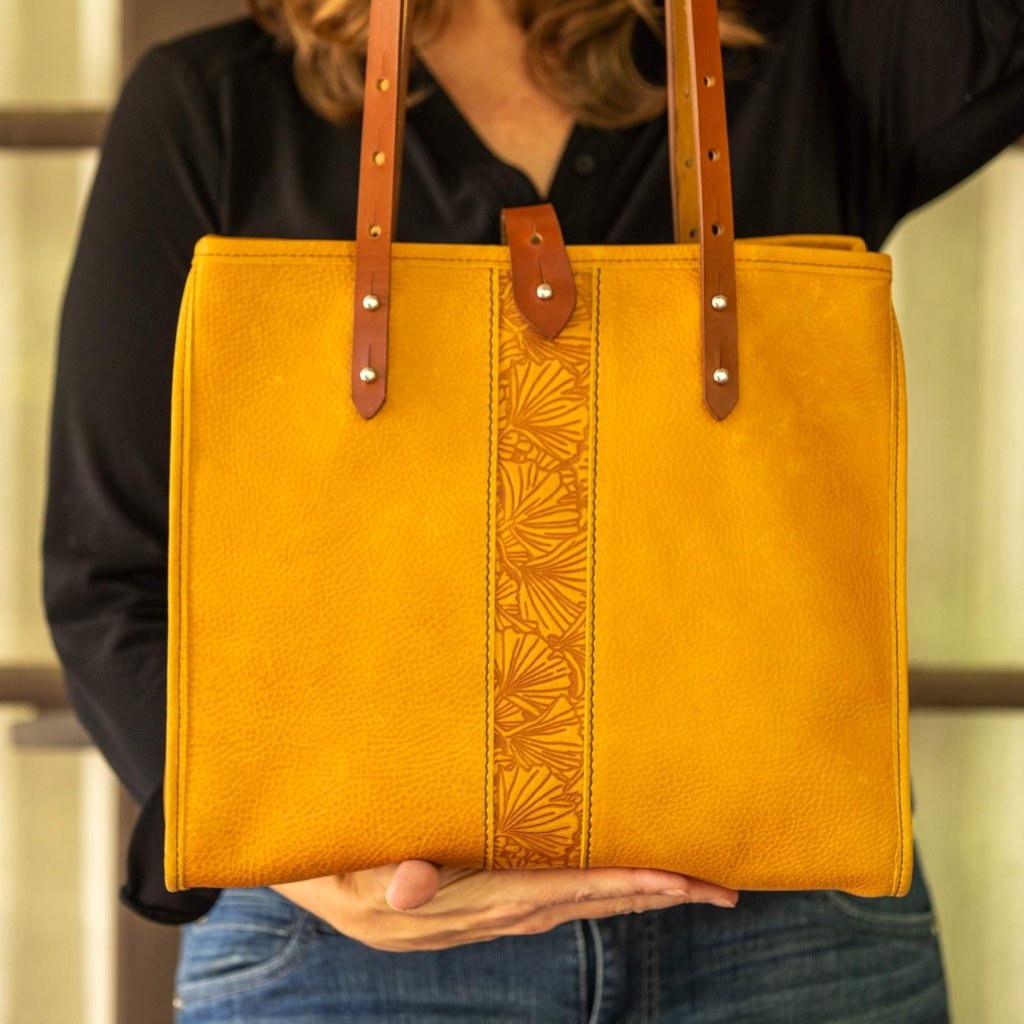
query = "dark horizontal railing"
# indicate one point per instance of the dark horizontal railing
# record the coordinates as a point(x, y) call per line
point(52, 129)
point(967, 689)
point(69, 128)
point(41, 686)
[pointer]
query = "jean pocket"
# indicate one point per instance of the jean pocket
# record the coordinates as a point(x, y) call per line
point(907, 917)
point(250, 938)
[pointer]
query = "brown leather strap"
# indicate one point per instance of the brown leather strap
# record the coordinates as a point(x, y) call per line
point(682, 138)
point(387, 70)
point(542, 281)
point(701, 160)
point(714, 186)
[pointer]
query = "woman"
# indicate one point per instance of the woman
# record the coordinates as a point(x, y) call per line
point(844, 115)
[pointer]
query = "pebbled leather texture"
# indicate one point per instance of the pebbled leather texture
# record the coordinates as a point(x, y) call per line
point(360, 638)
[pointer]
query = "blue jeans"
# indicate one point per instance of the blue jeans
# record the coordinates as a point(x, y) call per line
point(779, 958)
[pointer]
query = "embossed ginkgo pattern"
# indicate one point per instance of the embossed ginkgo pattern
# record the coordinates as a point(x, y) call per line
point(541, 587)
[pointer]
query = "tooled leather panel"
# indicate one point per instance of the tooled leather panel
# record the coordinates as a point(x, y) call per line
point(541, 599)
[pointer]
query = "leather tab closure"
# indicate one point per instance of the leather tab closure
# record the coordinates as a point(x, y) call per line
point(542, 281)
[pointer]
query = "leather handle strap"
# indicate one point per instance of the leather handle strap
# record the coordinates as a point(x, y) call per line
point(380, 165)
point(701, 187)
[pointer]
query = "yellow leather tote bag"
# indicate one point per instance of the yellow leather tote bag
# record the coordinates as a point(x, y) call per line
point(613, 577)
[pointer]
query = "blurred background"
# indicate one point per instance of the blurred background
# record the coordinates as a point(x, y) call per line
point(68, 955)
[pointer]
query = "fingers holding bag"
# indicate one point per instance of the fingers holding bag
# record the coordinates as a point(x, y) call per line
point(447, 907)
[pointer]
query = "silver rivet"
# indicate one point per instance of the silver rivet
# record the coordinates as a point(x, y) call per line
point(545, 291)
point(721, 376)
point(367, 374)
point(177, 1002)
point(371, 302)
point(719, 302)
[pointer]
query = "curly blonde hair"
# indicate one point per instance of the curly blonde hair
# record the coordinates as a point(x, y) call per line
point(578, 51)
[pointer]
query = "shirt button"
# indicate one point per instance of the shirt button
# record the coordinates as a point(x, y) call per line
point(584, 164)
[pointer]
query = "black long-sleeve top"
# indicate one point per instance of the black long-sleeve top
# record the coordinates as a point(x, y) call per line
point(854, 113)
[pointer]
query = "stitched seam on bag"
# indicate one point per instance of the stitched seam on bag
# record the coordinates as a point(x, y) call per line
point(489, 614)
point(541, 587)
point(593, 562)
point(759, 261)
point(183, 665)
point(177, 738)
point(896, 590)
point(183, 606)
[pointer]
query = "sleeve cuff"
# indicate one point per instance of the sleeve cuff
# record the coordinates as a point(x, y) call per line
point(144, 891)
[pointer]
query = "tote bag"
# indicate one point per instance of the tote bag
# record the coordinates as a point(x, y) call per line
point(527, 555)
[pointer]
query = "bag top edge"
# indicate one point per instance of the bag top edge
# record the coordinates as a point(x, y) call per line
point(840, 251)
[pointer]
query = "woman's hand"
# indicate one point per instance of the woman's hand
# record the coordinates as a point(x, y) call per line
point(416, 905)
